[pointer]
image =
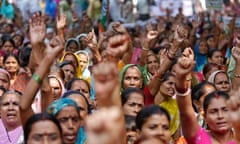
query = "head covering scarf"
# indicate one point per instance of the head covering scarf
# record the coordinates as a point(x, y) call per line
point(123, 71)
point(201, 59)
point(2, 70)
point(60, 82)
point(213, 75)
point(78, 70)
point(85, 73)
point(71, 40)
point(59, 104)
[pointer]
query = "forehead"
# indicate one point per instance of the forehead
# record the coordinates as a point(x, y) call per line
point(221, 76)
point(157, 119)
point(79, 83)
point(44, 126)
point(11, 96)
point(135, 96)
point(78, 99)
point(11, 58)
point(54, 81)
point(133, 71)
point(67, 111)
point(68, 66)
point(217, 103)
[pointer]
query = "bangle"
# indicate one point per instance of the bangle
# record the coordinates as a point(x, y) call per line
point(145, 49)
point(186, 93)
point(37, 78)
point(237, 76)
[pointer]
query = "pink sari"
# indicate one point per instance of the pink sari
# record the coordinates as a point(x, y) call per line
point(202, 137)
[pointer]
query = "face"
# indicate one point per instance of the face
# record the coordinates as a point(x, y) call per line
point(17, 40)
point(71, 58)
point(167, 87)
point(69, 120)
point(216, 115)
point(152, 64)
point(81, 103)
point(69, 72)
point(10, 111)
point(203, 47)
point(82, 87)
point(73, 47)
point(157, 126)
point(134, 104)
point(7, 47)
point(211, 42)
point(44, 132)
point(207, 90)
point(56, 88)
point(11, 64)
point(132, 78)
point(221, 82)
point(217, 58)
point(83, 60)
point(4, 81)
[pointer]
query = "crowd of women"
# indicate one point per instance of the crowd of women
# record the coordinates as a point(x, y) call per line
point(171, 81)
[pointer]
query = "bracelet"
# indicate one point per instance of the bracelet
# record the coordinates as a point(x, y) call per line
point(237, 76)
point(37, 78)
point(188, 92)
point(145, 49)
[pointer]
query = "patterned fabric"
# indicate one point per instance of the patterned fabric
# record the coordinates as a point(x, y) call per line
point(58, 105)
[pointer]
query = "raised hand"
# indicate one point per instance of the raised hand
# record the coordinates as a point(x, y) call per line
point(195, 24)
point(119, 28)
point(117, 45)
point(106, 126)
point(91, 40)
point(37, 29)
point(236, 54)
point(61, 21)
point(180, 34)
point(160, 27)
point(55, 47)
point(106, 81)
point(185, 63)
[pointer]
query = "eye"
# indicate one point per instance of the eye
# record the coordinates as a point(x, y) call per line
point(152, 126)
point(165, 127)
point(63, 120)
point(75, 119)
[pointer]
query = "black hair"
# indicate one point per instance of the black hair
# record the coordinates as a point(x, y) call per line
point(70, 83)
point(147, 112)
point(69, 42)
point(24, 56)
point(71, 92)
point(198, 91)
point(37, 118)
point(130, 123)
point(66, 62)
point(209, 97)
point(212, 51)
point(126, 94)
point(7, 38)
point(207, 68)
point(166, 76)
point(10, 55)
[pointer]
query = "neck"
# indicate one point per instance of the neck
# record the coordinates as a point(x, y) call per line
point(222, 138)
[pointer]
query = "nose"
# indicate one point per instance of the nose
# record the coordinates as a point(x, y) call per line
point(137, 108)
point(45, 141)
point(220, 115)
point(159, 132)
point(70, 124)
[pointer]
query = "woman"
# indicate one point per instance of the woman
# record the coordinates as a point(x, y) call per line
point(72, 45)
point(215, 109)
point(199, 92)
point(44, 125)
point(10, 123)
point(84, 62)
point(18, 40)
point(200, 51)
point(11, 64)
point(154, 121)
point(69, 71)
point(8, 45)
point(85, 109)
point(215, 56)
point(67, 113)
point(4, 78)
point(57, 86)
point(132, 101)
point(221, 81)
point(165, 99)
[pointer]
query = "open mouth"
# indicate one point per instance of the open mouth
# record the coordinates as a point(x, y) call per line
point(70, 137)
point(11, 115)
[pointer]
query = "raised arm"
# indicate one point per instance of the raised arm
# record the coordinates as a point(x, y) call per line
point(236, 76)
point(154, 84)
point(51, 53)
point(184, 68)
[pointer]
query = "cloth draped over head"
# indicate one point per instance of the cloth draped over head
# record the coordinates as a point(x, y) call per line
point(59, 104)
point(123, 71)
